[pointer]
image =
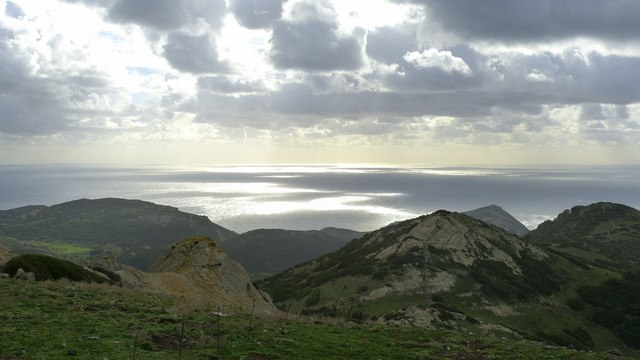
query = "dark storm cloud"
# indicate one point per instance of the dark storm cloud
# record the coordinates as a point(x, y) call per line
point(257, 14)
point(163, 15)
point(160, 14)
point(316, 46)
point(167, 14)
point(310, 40)
point(194, 54)
point(225, 84)
point(508, 20)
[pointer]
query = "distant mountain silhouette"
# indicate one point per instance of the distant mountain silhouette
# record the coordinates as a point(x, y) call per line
point(495, 215)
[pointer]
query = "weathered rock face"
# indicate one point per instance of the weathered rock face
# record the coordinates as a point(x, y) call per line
point(442, 255)
point(5, 255)
point(23, 275)
point(457, 239)
point(198, 270)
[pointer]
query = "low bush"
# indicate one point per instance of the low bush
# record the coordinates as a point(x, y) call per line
point(50, 268)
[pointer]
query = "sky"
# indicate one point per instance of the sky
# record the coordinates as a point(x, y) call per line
point(438, 82)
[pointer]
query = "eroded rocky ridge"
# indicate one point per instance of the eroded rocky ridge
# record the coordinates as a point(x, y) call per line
point(198, 271)
point(417, 262)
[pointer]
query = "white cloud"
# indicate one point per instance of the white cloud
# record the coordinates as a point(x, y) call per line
point(433, 58)
point(310, 73)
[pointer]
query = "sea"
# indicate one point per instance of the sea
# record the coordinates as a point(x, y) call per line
point(305, 197)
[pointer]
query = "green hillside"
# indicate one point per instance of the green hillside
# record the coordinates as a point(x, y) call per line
point(444, 269)
point(134, 231)
point(601, 234)
point(269, 251)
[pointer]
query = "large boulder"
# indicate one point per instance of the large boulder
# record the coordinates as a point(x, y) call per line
point(198, 270)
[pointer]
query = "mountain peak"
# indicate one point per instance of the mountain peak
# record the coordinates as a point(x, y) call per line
point(605, 234)
point(496, 215)
point(419, 259)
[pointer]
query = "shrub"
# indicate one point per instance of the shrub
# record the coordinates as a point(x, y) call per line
point(50, 268)
point(313, 299)
point(576, 304)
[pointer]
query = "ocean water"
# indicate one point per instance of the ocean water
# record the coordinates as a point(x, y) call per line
point(312, 197)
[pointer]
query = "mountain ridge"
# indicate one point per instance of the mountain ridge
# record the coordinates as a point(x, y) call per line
point(602, 234)
point(135, 231)
point(443, 270)
point(269, 251)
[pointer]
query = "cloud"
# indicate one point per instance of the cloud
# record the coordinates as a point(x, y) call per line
point(100, 3)
point(622, 112)
point(310, 39)
point(227, 85)
point(257, 14)
point(540, 20)
point(194, 54)
point(167, 15)
point(13, 10)
point(592, 112)
point(29, 106)
point(389, 44)
point(433, 58)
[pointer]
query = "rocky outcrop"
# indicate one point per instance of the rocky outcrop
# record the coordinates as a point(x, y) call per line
point(197, 270)
point(5, 255)
point(25, 275)
point(443, 255)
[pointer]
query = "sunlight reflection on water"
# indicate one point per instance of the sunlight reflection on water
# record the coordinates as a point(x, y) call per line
point(312, 197)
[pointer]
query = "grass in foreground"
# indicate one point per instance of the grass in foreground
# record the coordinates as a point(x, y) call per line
point(62, 320)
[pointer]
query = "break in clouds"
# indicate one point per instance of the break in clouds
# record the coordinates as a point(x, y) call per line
point(545, 72)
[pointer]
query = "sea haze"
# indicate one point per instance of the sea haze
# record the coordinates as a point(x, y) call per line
point(313, 197)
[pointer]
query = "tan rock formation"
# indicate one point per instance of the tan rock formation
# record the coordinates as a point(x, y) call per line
point(5, 255)
point(198, 271)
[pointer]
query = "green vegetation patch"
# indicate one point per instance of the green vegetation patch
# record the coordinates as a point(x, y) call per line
point(50, 268)
point(50, 320)
point(616, 305)
point(499, 281)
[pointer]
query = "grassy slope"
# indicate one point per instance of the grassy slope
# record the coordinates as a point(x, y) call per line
point(46, 320)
